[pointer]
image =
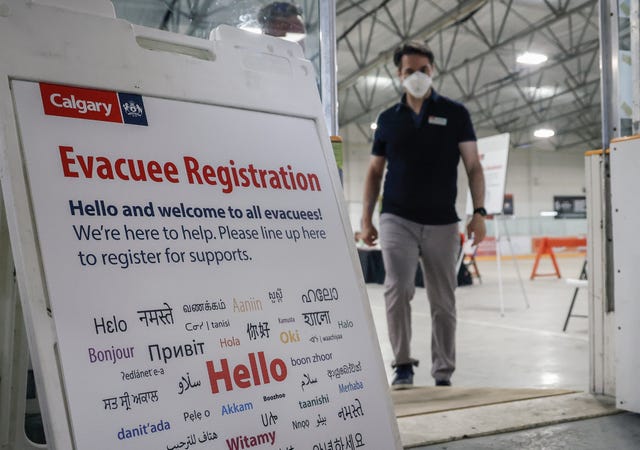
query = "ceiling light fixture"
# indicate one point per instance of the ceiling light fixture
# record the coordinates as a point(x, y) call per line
point(531, 58)
point(373, 125)
point(544, 133)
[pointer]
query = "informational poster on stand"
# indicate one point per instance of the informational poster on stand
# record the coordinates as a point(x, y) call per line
point(494, 153)
point(199, 275)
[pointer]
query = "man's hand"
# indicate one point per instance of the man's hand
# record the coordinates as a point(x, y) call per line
point(370, 197)
point(369, 235)
point(476, 229)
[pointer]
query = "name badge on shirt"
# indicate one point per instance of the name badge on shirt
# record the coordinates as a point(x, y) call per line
point(442, 121)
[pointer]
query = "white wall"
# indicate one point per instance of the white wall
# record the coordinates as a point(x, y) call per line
point(533, 176)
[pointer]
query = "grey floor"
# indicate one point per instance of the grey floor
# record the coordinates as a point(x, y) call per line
point(525, 347)
point(619, 432)
point(522, 348)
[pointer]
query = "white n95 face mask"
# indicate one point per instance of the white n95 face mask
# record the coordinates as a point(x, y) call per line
point(417, 84)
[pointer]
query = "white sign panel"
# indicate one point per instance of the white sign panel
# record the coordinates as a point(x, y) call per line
point(199, 276)
point(625, 163)
point(494, 153)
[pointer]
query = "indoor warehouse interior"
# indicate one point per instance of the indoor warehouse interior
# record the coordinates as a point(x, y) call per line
point(547, 321)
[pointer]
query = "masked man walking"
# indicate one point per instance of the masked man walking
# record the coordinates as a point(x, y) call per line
point(420, 141)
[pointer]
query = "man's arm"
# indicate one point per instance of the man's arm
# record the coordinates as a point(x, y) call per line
point(471, 160)
point(372, 184)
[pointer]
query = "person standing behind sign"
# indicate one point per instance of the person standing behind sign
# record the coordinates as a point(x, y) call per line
point(421, 140)
point(282, 19)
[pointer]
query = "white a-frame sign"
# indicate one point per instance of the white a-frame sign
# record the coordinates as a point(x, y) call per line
point(183, 258)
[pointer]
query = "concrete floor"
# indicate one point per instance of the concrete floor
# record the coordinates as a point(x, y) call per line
point(619, 432)
point(524, 348)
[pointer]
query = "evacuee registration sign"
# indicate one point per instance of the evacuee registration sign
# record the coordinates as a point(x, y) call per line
point(199, 276)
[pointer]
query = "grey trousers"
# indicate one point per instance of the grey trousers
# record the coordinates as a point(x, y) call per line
point(403, 243)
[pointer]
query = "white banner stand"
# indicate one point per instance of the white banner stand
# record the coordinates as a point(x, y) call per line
point(497, 219)
point(184, 259)
point(499, 264)
point(494, 155)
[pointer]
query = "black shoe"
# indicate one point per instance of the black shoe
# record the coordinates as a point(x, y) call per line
point(443, 383)
point(403, 378)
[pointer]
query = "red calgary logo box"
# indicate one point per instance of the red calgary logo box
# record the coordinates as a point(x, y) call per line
point(80, 103)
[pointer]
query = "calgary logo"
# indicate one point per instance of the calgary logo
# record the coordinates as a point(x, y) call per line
point(92, 104)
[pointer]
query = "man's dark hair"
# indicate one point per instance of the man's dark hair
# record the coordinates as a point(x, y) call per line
point(411, 48)
point(277, 9)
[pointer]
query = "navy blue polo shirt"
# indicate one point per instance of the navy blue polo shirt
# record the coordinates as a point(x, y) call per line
point(422, 158)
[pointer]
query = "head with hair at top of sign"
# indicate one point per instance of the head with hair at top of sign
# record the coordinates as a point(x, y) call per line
point(283, 20)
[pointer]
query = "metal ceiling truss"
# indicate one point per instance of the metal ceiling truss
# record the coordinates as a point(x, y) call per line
point(475, 44)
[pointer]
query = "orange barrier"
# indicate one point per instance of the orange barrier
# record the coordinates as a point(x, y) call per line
point(545, 247)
